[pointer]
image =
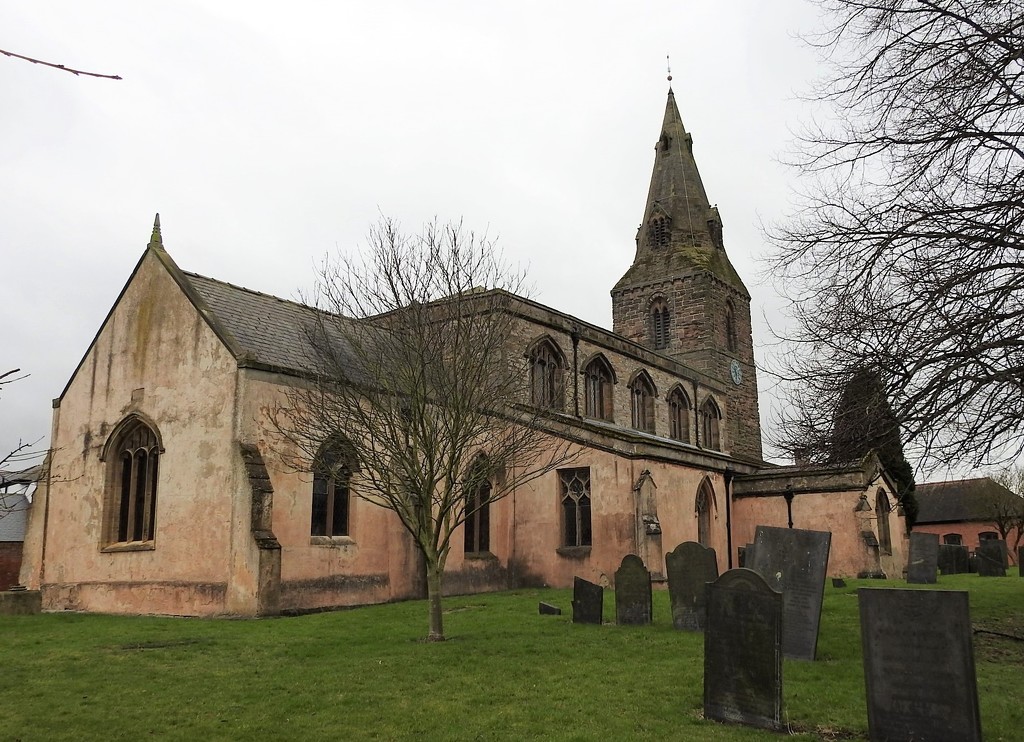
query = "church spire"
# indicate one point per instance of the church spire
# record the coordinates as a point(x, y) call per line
point(155, 240)
point(680, 230)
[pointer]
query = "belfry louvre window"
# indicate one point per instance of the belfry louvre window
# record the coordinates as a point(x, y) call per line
point(135, 462)
point(659, 324)
point(678, 415)
point(597, 382)
point(547, 368)
point(659, 226)
point(332, 476)
point(575, 494)
point(710, 424)
point(642, 396)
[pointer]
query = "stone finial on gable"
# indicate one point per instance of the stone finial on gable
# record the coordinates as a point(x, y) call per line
point(155, 239)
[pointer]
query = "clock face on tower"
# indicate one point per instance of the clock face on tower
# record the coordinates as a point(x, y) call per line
point(735, 371)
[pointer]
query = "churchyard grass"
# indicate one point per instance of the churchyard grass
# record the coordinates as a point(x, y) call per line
point(505, 673)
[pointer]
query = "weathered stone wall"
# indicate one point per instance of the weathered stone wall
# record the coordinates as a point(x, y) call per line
point(155, 356)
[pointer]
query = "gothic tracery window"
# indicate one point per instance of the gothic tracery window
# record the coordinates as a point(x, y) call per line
point(332, 477)
point(134, 462)
point(547, 368)
point(882, 514)
point(598, 379)
point(642, 395)
point(477, 525)
point(710, 423)
point(575, 497)
point(678, 415)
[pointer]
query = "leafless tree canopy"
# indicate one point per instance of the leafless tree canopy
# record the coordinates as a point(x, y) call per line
point(413, 371)
point(906, 254)
point(1007, 513)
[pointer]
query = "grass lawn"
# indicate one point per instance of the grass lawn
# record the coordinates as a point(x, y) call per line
point(505, 673)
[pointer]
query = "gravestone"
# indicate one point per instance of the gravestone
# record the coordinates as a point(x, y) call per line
point(838, 582)
point(919, 665)
point(952, 559)
point(743, 651)
point(794, 561)
point(924, 558)
point(632, 592)
point(587, 602)
point(546, 609)
point(690, 566)
point(990, 558)
point(746, 555)
point(1020, 561)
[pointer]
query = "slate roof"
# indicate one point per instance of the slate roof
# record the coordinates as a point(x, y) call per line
point(958, 500)
point(272, 332)
point(13, 516)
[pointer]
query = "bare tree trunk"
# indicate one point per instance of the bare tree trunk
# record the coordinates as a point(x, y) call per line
point(434, 573)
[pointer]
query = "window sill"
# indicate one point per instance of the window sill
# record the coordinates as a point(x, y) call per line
point(331, 541)
point(128, 546)
point(573, 552)
point(481, 555)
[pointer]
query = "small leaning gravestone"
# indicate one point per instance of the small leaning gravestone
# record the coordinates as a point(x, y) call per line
point(924, 558)
point(990, 556)
point(587, 602)
point(690, 566)
point(632, 592)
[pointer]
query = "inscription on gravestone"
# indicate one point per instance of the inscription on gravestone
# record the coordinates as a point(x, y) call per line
point(794, 562)
point(743, 651)
point(632, 592)
point(952, 559)
point(919, 665)
point(923, 562)
point(990, 558)
point(587, 602)
point(690, 566)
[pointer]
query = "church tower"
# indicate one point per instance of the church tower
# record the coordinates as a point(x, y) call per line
point(681, 296)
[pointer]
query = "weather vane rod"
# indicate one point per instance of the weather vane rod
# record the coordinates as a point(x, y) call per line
point(668, 64)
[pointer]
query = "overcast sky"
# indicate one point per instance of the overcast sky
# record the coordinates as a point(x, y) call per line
point(269, 134)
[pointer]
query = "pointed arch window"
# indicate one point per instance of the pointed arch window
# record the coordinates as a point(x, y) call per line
point(730, 326)
point(575, 494)
point(882, 513)
point(547, 370)
point(133, 453)
point(659, 324)
point(710, 425)
point(678, 415)
point(598, 379)
point(703, 505)
point(477, 525)
point(642, 393)
point(332, 480)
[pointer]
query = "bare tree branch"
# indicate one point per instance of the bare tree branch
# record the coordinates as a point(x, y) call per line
point(907, 255)
point(411, 369)
point(59, 66)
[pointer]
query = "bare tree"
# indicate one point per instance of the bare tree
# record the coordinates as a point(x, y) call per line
point(1005, 511)
point(14, 465)
point(905, 256)
point(414, 382)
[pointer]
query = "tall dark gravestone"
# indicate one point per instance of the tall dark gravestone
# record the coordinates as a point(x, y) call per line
point(919, 665)
point(924, 558)
point(952, 559)
point(1020, 561)
point(743, 651)
point(587, 602)
point(794, 562)
point(990, 558)
point(632, 592)
point(690, 566)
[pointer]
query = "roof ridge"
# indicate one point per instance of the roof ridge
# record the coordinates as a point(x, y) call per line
point(248, 290)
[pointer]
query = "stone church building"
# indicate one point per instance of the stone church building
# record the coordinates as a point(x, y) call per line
point(162, 495)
